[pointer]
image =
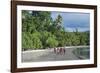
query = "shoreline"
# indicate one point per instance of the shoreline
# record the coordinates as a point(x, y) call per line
point(50, 49)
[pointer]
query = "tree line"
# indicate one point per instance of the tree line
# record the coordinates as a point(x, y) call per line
point(41, 31)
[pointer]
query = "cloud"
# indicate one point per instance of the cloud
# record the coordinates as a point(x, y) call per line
point(74, 20)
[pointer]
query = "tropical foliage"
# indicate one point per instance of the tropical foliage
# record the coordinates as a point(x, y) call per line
point(40, 31)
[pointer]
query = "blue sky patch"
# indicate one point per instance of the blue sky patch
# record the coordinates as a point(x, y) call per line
point(74, 20)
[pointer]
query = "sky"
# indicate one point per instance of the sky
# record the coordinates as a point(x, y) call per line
point(74, 20)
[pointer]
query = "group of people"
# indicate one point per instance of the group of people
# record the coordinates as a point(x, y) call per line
point(59, 50)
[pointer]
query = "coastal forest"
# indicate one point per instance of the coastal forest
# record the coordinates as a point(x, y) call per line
point(41, 31)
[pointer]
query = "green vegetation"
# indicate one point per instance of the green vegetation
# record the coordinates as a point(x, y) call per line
point(40, 31)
